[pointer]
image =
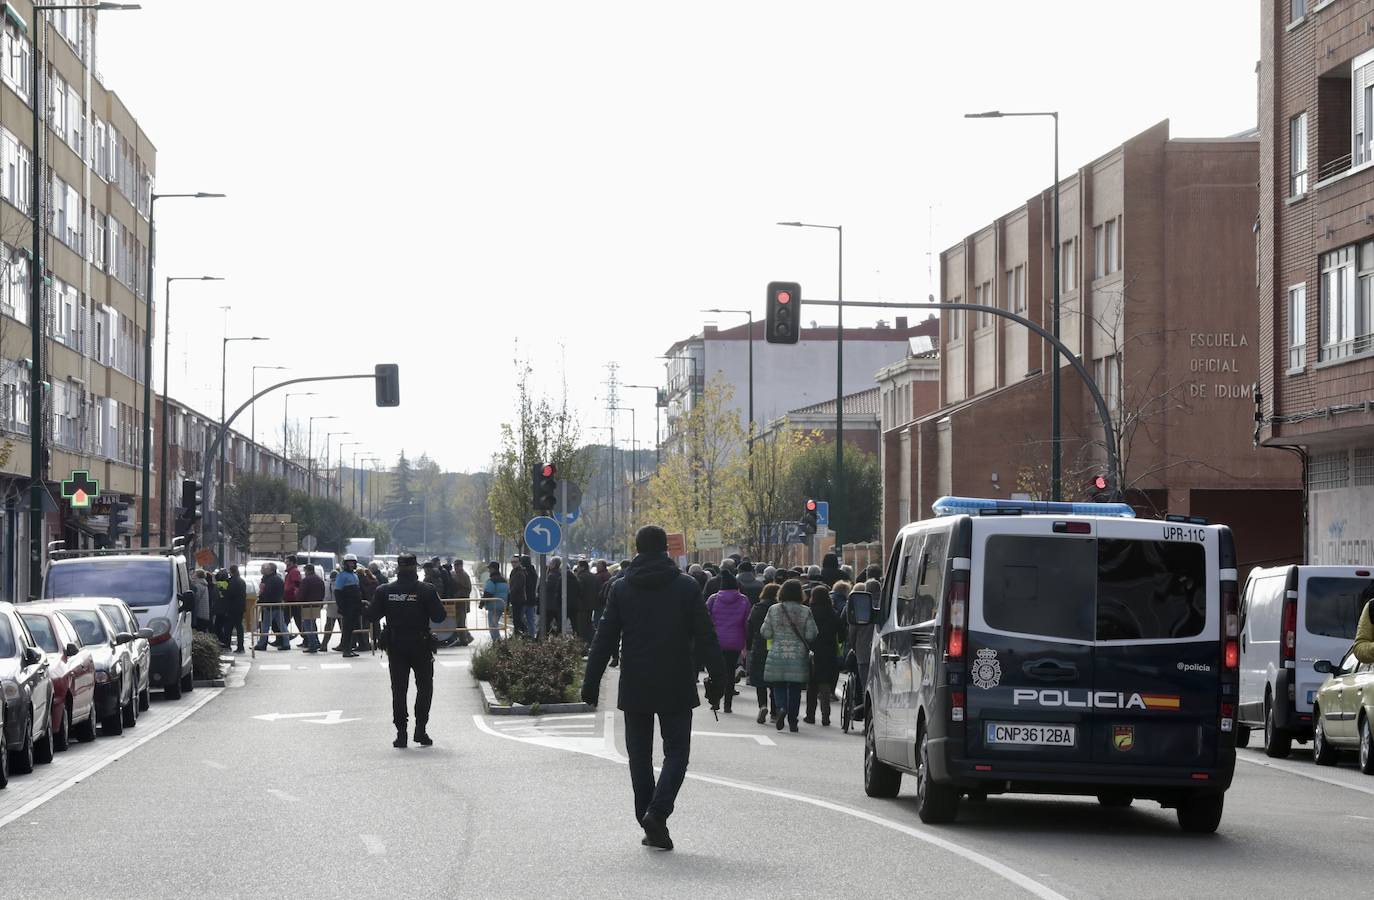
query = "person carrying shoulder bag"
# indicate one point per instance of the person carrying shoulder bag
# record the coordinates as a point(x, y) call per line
point(790, 628)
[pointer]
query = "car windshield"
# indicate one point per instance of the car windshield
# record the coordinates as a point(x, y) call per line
point(88, 626)
point(42, 632)
point(1334, 605)
point(7, 648)
point(138, 582)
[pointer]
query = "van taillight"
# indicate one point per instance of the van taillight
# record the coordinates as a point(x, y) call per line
point(1232, 654)
point(1228, 716)
point(1289, 644)
point(1230, 609)
point(956, 609)
point(956, 706)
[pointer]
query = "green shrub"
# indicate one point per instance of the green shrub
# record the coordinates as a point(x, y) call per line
point(532, 672)
point(205, 651)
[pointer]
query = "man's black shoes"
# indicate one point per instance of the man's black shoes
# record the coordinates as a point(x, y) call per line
point(423, 739)
point(655, 832)
point(400, 742)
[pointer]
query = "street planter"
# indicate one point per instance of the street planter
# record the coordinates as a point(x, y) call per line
point(520, 676)
point(495, 706)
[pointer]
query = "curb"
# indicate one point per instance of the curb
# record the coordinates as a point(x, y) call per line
point(494, 707)
point(226, 662)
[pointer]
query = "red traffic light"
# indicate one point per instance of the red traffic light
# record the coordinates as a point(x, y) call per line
point(810, 505)
point(784, 297)
point(549, 470)
point(1100, 482)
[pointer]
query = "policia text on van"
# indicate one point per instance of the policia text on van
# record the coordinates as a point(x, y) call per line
point(1064, 648)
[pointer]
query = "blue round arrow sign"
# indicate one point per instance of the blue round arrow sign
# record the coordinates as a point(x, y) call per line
point(543, 534)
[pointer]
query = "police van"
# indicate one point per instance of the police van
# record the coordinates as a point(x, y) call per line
point(1065, 648)
point(1290, 617)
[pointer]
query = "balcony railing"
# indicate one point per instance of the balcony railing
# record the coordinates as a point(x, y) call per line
point(1334, 167)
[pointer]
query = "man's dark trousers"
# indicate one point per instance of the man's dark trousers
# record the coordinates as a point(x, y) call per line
point(676, 730)
point(403, 657)
point(351, 617)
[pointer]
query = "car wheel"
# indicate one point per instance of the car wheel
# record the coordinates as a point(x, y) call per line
point(880, 779)
point(85, 732)
point(63, 739)
point(1366, 746)
point(145, 699)
point(114, 725)
point(1277, 742)
point(21, 760)
point(42, 748)
point(1201, 815)
point(129, 714)
point(188, 682)
point(936, 804)
point(172, 691)
point(4, 758)
point(1323, 754)
point(1115, 799)
point(1242, 736)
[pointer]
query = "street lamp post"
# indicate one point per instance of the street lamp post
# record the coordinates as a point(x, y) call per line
point(658, 450)
point(1056, 479)
point(337, 472)
point(837, 504)
point(369, 499)
point(37, 331)
point(285, 422)
point(223, 387)
point(353, 479)
point(310, 453)
point(166, 332)
point(253, 412)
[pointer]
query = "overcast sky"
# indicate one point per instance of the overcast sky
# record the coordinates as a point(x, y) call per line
point(456, 185)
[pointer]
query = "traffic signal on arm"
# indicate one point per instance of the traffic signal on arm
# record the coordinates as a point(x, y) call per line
point(544, 486)
point(784, 312)
point(119, 520)
point(1097, 489)
point(388, 384)
point(809, 517)
point(188, 513)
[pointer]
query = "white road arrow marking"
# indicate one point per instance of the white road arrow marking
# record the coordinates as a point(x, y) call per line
point(374, 844)
point(332, 717)
point(759, 739)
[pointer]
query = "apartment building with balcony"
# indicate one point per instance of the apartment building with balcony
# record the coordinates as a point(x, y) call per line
point(96, 192)
point(1315, 247)
point(1157, 261)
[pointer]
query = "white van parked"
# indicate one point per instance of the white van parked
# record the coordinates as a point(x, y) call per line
point(1292, 616)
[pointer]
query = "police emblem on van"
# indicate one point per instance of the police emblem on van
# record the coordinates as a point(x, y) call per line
point(1123, 737)
point(987, 671)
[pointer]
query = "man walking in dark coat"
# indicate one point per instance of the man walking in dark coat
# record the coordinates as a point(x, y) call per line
point(658, 613)
point(234, 600)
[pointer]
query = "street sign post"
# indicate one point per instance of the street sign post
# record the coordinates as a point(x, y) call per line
point(543, 534)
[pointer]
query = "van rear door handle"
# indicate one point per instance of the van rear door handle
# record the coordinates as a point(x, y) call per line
point(1050, 670)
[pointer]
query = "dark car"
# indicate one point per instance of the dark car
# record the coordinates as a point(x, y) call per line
point(122, 618)
point(71, 671)
point(116, 700)
point(24, 721)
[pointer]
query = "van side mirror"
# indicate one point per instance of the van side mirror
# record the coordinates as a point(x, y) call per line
point(32, 656)
point(859, 610)
point(71, 649)
point(188, 600)
point(1323, 666)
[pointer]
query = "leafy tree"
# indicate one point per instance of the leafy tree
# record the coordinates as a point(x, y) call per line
point(330, 522)
point(769, 495)
point(857, 517)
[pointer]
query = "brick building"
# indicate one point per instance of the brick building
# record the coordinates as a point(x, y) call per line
point(1315, 246)
point(1157, 255)
point(908, 389)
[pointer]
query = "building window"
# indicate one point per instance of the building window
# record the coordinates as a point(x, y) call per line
point(1345, 307)
point(1107, 374)
point(1328, 470)
point(1297, 327)
point(1362, 107)
point(1113, 245)
point(1068, 263)
point(982, 295)
point(16, 62)
point(1099, 251)
point(1363, 473)
point(1018, 300)
point(956, 321)
point(1296, 10)
point(1297, 155)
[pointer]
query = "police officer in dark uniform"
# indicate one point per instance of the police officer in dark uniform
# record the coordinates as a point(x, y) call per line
point(409, 606)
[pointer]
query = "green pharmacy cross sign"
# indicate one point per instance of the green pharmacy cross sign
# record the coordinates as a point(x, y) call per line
point(80, 488)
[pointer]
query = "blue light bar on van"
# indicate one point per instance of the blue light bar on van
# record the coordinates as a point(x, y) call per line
point(978, 506)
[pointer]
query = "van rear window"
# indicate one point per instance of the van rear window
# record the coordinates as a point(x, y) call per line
point(1108, 589)
point(1334, 605)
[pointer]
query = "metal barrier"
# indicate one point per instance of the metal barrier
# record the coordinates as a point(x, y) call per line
point(252, 620)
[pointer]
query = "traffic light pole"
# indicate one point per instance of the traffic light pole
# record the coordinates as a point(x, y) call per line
point(211, 494)
point(1108, 436)
point(563, 569)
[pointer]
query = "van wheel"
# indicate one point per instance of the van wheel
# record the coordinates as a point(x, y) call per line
point(1202, 814)
point(1366, 746)
point(172, 691)
point(880, 779)
point(936, 804)
point(1277, 742)
point(1323, 754)
point(188, 682)
point(1115, 799)
point(1242, 736)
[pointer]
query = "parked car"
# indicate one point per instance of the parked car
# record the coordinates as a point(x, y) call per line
point(71, 669)
point(1341, 715)
point(1292, 616)
point(1064, 648)
point(157, 590)
point(25, 725)
point(122, 618)
point(116, 701)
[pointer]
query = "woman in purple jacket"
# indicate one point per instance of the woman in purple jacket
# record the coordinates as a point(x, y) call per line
point(729, 611)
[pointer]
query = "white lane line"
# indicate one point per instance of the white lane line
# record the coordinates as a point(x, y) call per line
point(374, 845)
point(759, 739)
point(609, 751)
point(283, 795)
point(1301, 773)
point(274, 667)
point(96, 767)
point(336, 665)
point(215, 765)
